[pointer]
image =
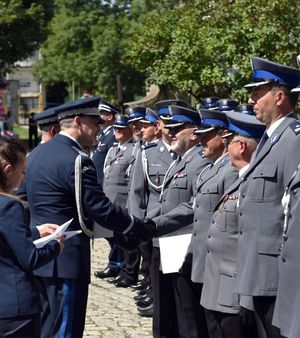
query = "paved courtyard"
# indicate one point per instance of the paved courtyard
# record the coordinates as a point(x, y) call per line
point(111, 311)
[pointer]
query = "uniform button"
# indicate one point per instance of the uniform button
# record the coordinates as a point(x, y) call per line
point(197, 205)
point(283, 259)
point(196, 220)
point(241, 213)
point(207, 251)
point(195, 235)
point(213, 221)
point(209, 236)
point(234, 273)
point(243, 195)
point(294, 191)
point(241, 232)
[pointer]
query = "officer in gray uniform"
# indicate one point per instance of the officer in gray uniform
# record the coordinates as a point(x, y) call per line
point(218, 297)
point(129, 274)
point(286, 313)
point(115, 184)
point(261, 213)
point(174, 305)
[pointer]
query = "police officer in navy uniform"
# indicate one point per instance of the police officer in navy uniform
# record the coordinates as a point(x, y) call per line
point(48, 123)
point(222, 304)
point(210, 102)
point(175, 309)
point(50, 180)
point(261, 214)
point(115, 186)
point(106, 137)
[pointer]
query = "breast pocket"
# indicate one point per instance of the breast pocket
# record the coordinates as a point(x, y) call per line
point(179, 189)
point(264, 187)
point(156, 174)
point(210, 197)
point(228, 216)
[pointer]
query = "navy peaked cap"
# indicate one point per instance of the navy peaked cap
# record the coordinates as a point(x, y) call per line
point(150, 117)
point(80, 107)
point(265, 71)
point(211, 119)
point(161, 107)
point(245, 125)
point(245, 109)
point(104, 106)
point(210, 102)
point(121, 121)
point(47, 117)
point(135, 113)
point(183, 115)
point(227, 104)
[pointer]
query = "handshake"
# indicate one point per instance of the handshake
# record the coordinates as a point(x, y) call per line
point(143, 230)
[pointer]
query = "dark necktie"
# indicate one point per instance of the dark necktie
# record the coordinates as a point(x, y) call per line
point(261, 143)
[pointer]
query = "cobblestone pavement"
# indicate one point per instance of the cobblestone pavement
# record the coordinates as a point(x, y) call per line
point(111, 311)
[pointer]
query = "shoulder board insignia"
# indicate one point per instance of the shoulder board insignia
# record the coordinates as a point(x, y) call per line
point(295, 126)
point(224, 160)
point(274, 138)
point(80, 152)
point(149, 145)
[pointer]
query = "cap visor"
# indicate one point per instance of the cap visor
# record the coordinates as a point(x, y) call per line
point(203, 131)
point(135, 119)
point(256, 84)
point(119, 126)
point(165, 118)
point(227, 135)
point(174, 125)
point(296, 90)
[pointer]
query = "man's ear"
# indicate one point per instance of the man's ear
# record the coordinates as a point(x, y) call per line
point(8, 169)
point(195, 137)
point(77, 121)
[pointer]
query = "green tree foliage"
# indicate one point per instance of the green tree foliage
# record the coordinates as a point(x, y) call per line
point(204, 47)
point(23, 26)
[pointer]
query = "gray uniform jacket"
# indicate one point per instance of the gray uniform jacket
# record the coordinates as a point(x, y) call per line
point(218, 293)
point(286, 313)
point(177, 194)
point(261, 213)
point(137, 146)
point(115, 182)
point(211, 186)
point(151, 165)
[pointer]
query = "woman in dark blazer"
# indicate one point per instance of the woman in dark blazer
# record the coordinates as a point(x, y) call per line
point(20, 306)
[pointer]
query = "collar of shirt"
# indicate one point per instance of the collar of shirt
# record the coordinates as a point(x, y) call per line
point(70, 137)
point(187, 152)
point(276, 124)
point(168, 146)
point(106, 130)
point(220, 158)
point(243, 170)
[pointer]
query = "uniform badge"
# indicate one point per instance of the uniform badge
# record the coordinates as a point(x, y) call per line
point(274, 138)
point(295, 127)
point(161, 149)
point(180, 175)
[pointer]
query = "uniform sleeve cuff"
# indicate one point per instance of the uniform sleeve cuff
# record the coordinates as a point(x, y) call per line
point(130, 225)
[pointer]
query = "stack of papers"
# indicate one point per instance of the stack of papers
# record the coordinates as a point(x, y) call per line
point(60, 231)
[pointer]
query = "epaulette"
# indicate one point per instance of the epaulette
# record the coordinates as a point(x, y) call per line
point(149, 145)
point(80, 152)
point(295, 126)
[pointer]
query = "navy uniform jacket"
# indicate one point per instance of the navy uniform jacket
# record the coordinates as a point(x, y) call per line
point(286, 313)
point(105, 142)
point(152, 163)
point(178, 190)
point(18, 258)
point(51, 196)
point(115, 183)
point(261, 212)
point(218, 293)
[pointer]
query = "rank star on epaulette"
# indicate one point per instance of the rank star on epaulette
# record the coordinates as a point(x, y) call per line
point(295, 126)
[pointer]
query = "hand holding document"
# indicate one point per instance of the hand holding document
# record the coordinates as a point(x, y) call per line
point(60, 231)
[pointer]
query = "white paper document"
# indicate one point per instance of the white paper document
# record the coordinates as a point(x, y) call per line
point(61, 230)
point(172, 252)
